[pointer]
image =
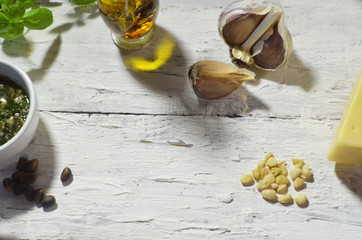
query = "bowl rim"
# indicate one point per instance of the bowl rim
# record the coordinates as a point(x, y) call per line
point(29, 88)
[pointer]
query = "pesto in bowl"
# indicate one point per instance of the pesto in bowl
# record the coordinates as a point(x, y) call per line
point(13, 147)
point(14, 108)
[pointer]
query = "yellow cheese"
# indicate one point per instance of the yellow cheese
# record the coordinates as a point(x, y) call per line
point(347, 143)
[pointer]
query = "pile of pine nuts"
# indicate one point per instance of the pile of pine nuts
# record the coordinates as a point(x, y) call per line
point(273, 182)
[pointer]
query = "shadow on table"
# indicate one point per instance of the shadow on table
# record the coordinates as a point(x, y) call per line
point(294, 73)
point(48, 61)
point(236, 104)
point(79, 15)
point(46, 3)
point(242, 101)
point(351, 176)
point(7, 237)
point(83, 12)
point(21, 47)
point(52, 53)
point(41, 148)
point(160, 66)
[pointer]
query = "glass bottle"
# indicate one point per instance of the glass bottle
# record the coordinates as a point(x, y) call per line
point(132, 22)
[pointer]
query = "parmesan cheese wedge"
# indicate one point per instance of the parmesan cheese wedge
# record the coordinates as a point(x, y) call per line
point(347, 143)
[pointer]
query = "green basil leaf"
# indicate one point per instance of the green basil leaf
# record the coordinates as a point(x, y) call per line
point(4, 21)
point(26, 3)
point(38, 19)
point(3, 33)
point(5, 3)
point(83, 2)
point(16, 11)
point(15, 30)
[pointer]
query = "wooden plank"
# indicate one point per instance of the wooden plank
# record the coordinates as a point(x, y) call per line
point(77, 68)
point(132, 178)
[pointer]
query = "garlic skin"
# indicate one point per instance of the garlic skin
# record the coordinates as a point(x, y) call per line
point(213, 80)
point(256, 36)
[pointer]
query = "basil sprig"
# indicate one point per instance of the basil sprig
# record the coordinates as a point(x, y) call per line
point(15, 17)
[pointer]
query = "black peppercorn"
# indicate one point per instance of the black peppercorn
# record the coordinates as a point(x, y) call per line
point(8, 184)
point(19, 187)
point(17, 176)
point(29, 178)
point(39, 195)
point(66, 177)
point(48, 201)
point(31, 166)
point(30, 193)
point(21, 162)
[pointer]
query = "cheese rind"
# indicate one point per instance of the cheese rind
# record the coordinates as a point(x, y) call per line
point(347, 143)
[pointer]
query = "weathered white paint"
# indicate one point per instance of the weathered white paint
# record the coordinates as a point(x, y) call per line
point(120, 132)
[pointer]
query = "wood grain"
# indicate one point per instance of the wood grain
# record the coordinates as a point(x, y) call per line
point(152, 161)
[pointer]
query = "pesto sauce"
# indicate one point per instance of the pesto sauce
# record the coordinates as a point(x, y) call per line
point(14, 108)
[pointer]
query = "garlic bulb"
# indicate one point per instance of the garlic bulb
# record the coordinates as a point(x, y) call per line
point(256, 35)
point(212, 80)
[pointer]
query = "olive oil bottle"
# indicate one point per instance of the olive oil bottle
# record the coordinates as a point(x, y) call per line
point(130, 21)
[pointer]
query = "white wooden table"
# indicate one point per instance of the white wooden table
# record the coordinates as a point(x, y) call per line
point(120, 132)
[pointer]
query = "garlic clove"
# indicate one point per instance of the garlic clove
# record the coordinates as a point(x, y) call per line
point(256, 35)
point(236, 24)
point(274, 48)
point(212, 80)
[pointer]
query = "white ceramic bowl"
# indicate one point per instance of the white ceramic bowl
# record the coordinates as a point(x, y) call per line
point(19, 142)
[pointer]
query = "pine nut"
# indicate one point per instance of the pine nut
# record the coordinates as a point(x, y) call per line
point(298, 183)
point(269, 194)
point(268, 155)
point(306, 172)
point(263, 184)
point(269, 177)
point(272, 162)
point(256, 174)
point(264, 172)
point(261, 165)
point(281, 179)
point(298, 162)
point(282, 188)
point(283, 169)
point(281, 163)
point(276, 171)
point(301, 199)
point(294, 173)
point(247, 179)
point(284, 199)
